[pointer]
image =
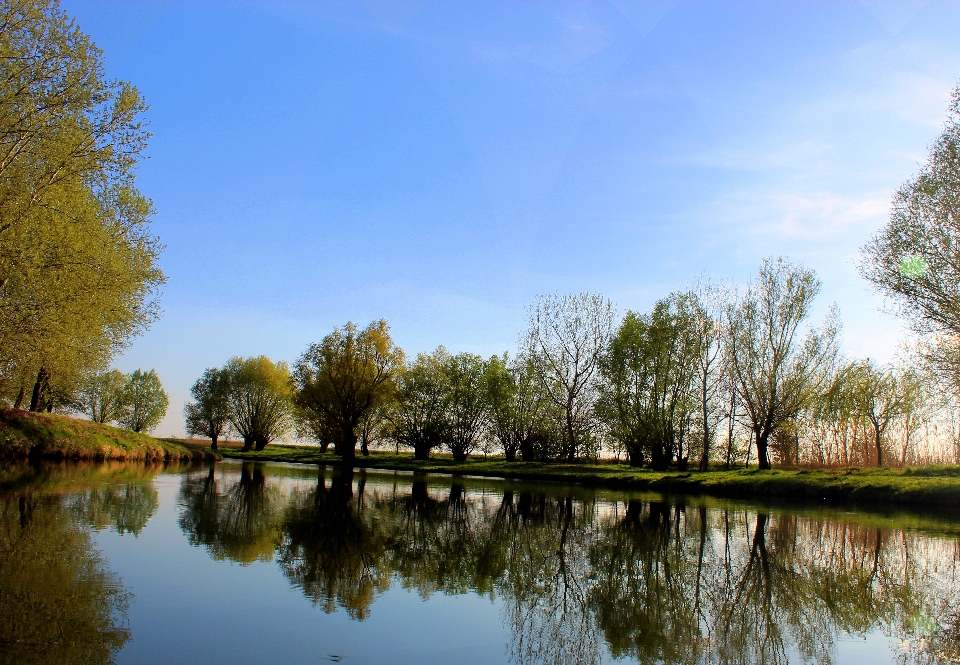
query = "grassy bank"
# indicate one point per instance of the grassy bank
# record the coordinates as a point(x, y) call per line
point(919, 486)
point(25, 435)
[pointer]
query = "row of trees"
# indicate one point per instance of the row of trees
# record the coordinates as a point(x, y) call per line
point(704, 365)
point(690, 377)
point(78, 265)
point(136, 401)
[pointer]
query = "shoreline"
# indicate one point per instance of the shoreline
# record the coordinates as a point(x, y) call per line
point(913, 486)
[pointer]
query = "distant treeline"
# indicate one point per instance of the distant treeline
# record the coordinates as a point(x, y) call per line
point(704, 377)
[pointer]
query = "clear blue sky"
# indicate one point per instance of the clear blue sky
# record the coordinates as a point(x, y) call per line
point(439, 164)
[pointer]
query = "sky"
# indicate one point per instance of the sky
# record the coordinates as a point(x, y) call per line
point(440, 164)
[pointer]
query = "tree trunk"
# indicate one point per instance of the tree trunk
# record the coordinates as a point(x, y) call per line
point(348, 447)
point(213, 442)
point(763, 436)
point(421, 451)
point(260, 444)
point(510, 453)
point(571, 440)
point(20, 395)
point(879, 440)
point(39, 388)
point(364, 446)
point(459, 455)
point(705, 455)
point(247, 443)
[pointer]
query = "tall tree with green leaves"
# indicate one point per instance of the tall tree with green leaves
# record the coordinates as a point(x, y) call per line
point(261, 399)
point(465, 404)
point(144, 401)
point(209, 414)
point(347, 375)
point(648, 394)
point(78, 265)
point(517, 410)
point(777, 366)
point(418, 417)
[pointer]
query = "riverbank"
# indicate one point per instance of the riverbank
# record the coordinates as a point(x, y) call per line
point(918, 486)
point(43, 436)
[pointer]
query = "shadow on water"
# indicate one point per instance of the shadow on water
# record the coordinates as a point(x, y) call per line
point(580, 575)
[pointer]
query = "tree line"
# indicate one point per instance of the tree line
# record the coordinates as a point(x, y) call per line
point(710, 374)
point(705, 373)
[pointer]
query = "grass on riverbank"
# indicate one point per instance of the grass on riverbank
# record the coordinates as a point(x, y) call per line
point(929, 486)
point(25, 435)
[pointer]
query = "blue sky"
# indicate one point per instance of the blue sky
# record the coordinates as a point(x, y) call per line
point(439, 164)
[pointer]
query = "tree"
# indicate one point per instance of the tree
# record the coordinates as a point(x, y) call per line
point(882, 395)
point(418, 418)
point(101, 397)
point(78, 266)
point(261, 398)
point(344, 377)
point(647, 395)
point(709, 301)
point(914, 259)
point(517, 410)
point(775, 370)
point(209, 414)
point(144, 401)
point(465, 404)
point(565, 338)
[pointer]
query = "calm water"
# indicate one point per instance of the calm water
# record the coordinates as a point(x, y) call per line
point(259, 563)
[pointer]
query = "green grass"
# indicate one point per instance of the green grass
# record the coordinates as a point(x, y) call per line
point(917, 486)
point(43, 436)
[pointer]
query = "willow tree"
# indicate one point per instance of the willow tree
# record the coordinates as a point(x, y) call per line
point(565, 338)
point(648, 393)
point(78, 273)
point(776, 366)
point(348, 374)
point(101, 396)
point(209, 413)
point(261, 399)
point(144, 401)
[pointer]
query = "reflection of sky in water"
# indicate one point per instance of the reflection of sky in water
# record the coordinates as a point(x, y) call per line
point(190, 608)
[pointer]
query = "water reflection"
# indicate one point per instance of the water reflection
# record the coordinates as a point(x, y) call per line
point(58, 601)
point(579, 575)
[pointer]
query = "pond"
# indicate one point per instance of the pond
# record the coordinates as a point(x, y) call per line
point(269, 563)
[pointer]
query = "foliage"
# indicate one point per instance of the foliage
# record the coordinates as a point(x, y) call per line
point(520, 416)
point(345, 377)
point(101, 396)
point(261, 399)
point(78, 266)
point(418, 418)
point(647, 396)
point(565, 338)
point(144, 401)
point(209, 414)
point(465, 404)
point(776, 371)
point(913, 260)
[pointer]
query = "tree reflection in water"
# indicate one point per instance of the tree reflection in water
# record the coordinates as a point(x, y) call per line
point(58, 601)
point(577, 575)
